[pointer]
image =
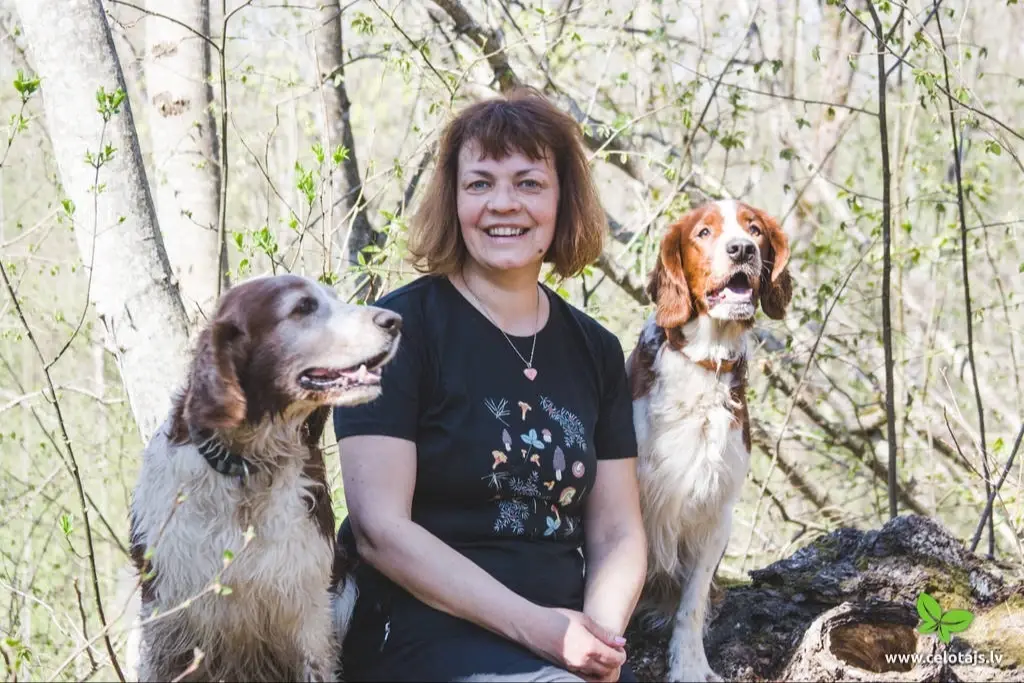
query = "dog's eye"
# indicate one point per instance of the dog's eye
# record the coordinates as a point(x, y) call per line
point(706, 232)
point(305, 306)
point(755, 230)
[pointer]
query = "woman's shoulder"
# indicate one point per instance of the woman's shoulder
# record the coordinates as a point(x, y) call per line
point(414, 297)
point(594, 331)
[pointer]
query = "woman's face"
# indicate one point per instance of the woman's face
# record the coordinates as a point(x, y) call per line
point(507, 208)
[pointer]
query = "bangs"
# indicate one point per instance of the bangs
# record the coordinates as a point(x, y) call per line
point(503, 128)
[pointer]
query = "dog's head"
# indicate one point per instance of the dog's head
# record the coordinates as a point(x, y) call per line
point(285, 345)
point(721, 259)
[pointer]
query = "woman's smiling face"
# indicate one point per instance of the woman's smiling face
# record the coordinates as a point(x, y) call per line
point(507, 208)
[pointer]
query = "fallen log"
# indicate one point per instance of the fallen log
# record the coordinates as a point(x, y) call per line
point(844, 607)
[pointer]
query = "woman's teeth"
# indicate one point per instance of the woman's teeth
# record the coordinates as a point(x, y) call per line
point(505, 232)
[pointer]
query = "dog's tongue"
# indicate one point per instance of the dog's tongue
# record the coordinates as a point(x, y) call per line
point(323, 373)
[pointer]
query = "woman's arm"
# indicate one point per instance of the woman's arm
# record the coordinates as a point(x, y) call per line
point(379, 475)
point(615, 546)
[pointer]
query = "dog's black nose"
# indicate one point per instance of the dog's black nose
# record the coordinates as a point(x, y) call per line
point(741, 250)
point(389, 321)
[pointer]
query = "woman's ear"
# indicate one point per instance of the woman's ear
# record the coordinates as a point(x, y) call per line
point(215, 399)
point(667, 286)
point(776, 283)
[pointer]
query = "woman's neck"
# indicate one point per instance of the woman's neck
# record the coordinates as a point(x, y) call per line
point(510, 298)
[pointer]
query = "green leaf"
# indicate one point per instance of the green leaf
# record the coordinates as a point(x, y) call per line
point(929, 610)
point(928, 628)
point(956, 620)
point(944, 633)
point(65, 524)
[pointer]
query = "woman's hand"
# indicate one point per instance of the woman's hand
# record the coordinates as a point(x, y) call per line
point(576, 642)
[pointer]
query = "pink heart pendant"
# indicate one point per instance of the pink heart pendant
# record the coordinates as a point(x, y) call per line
point(530, 373)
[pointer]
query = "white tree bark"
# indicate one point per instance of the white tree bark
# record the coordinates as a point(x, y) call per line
point(72, 51)
point(185, 168)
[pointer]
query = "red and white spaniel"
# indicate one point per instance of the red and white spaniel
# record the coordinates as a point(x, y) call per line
point(688, 379)
point(232, 490)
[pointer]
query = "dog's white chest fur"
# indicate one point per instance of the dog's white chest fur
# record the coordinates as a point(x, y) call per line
point(189, 515)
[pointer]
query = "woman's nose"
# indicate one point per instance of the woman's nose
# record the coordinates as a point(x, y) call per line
point(503, 199)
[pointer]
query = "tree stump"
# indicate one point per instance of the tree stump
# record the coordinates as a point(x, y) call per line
point(834, 609)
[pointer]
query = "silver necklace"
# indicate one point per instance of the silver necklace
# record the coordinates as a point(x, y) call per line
point(529, 370)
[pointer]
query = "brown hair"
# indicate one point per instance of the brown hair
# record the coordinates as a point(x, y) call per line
point(522, 121)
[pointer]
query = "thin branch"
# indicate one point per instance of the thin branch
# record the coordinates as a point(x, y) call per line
point(414, 181)
point(987, 513)
point(965, 270)
point(205, 38)
point(85, 622)
point(890, 390)
point(222, 210)
point(932, 13)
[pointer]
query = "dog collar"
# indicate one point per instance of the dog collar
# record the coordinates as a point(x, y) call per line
point(218, 455)
point(718, 365)
point(674, 337)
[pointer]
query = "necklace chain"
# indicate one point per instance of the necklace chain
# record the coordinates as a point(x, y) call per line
point(533, 347)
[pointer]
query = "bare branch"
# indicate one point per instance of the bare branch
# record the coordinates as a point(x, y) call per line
point(987, 513)
point(890, 389)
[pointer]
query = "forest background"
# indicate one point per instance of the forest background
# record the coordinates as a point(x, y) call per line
point(146, 142)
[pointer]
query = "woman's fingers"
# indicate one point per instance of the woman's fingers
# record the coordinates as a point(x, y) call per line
point(605, 635)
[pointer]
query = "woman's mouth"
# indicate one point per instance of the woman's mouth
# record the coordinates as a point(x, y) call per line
point(506, 231)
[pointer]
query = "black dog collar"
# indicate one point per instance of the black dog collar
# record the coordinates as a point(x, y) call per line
point(218, 456)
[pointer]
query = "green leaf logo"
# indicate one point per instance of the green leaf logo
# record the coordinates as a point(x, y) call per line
point(935, 620)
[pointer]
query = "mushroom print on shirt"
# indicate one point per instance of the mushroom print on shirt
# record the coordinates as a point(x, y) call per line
point(534, 493)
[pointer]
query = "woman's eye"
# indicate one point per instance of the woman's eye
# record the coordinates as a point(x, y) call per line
point(704, 233)
point(305, 306)
point(754, 230)
point(530, 183)
point(478, 185)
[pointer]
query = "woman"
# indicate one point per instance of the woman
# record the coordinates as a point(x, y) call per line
point(500, 459)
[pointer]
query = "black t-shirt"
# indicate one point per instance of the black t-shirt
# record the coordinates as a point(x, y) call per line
point(504, 463)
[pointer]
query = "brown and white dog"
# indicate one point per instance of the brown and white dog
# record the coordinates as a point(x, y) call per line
point(232, 491)
point(688, 380)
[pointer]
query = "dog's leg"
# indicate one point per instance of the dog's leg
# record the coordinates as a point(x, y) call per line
point(343, 602)
point(686, 657)
point(323, 635)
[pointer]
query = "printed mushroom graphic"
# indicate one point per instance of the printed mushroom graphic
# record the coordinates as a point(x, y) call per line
point(566, 497)
point(546, 435)
point(559, 463)
point(499, 458)
point(524, 407)
point(506, 439)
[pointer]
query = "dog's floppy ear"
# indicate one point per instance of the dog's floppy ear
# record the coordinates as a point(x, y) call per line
point(776, 283)
point(667, 286)
point(215, 399)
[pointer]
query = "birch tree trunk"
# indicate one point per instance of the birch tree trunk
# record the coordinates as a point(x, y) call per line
point(185, 167)
point(347, 202)
point(116, 228)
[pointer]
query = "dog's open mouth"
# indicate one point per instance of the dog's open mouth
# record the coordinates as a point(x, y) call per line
point(366, 374)
point(736, 291)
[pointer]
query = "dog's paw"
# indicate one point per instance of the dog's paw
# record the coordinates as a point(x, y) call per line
point(679, 674)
